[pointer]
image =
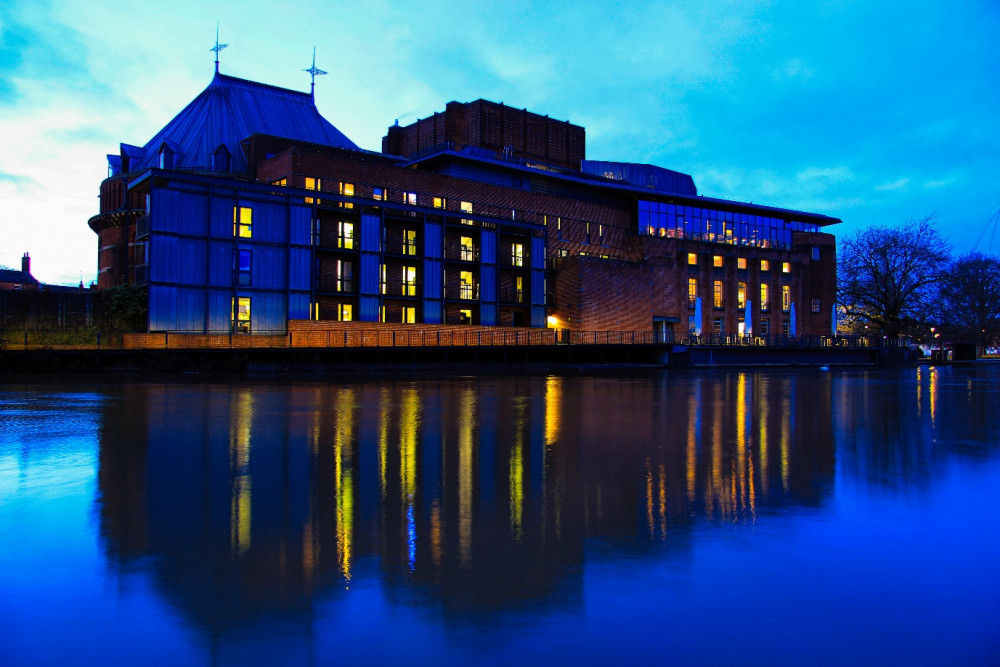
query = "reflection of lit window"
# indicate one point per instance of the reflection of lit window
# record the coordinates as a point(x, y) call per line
point(717, 301)
point(765, 297)
point(786, 297)
point(692, 259)
point(409, 281)
point(692, 291)
point(517, 254)
point(345, 234)
point(242, 221)
point(741, 263)
point(409, 315)
point(241, 314)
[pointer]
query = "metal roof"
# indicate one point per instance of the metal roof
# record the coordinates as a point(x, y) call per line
point(231, 109)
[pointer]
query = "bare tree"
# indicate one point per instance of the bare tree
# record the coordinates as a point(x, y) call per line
point(972, 297)
point(890, 276)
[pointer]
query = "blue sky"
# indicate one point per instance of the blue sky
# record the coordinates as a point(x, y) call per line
point(873, 112)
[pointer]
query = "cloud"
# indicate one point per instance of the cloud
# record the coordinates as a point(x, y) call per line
point(894, 185)
point(794, 69)
point(938, 183)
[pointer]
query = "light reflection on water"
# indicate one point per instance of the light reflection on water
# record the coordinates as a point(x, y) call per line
point(568, 517)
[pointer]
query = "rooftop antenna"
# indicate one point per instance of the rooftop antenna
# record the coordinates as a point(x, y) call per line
point(313, 72)
point(218, 47)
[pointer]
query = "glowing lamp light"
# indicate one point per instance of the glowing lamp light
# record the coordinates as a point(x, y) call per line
point(552, 321)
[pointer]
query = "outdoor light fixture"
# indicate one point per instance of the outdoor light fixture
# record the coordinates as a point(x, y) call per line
point(552, 321)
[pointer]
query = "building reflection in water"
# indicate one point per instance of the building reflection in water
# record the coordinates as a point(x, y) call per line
point(469, 494)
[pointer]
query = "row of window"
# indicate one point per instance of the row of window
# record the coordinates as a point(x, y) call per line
point(693, 222)
point(718, 298)
point(763, 326)
point(718, 261)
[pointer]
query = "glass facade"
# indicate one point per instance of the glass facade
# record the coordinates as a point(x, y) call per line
point(705, 224)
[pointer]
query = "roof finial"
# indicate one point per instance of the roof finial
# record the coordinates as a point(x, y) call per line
point(314, 72)
point(218, 47)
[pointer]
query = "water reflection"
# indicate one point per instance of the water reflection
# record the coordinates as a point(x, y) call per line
point(463, 494)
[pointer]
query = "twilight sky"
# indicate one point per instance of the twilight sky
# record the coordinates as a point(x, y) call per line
point(872, 112)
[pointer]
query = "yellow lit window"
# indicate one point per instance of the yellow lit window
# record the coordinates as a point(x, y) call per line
point(312, 184)
point(242, 221)
point(717, 261)
point(765, 297)
point(741, 263)
point(410, 242)
point(383, 284)
point(409, 315)
point(410, 198)
point(517, 254)
point(345, 234)
point(786, 297)
point(692, 291)
point(409, 281)
point(559, 227)
point(439, 202)
point(241, 314)
point(741, 295)
point(465, 317)
point(786, 267)
point(345, 312)
point(765, 265)
point(381, 313)
point(717, 301)
point(692, 259)
point(347, 189)
point(466, 288)
point(468, 252)
point(380, 194)
point(281, 181)
point(519, 289)
point(466, 207)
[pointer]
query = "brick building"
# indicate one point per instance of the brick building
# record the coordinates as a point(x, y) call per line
point(249, 209)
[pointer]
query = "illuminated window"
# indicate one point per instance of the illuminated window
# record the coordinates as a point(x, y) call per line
point(563, 252)
point(346, 189)
point(815, 305)
point(587, 230)
point(382, 284)
point(765, 265)
point(741, 263)
point(517, 254)
point(344, 276)
point(409, 315)
point(559, 227)
point(409, 281)
point(519, 289)
point(786, 267)
point(410, 198)
point(717, 261)
point(345, 312)
point(468, 251)
point(692, 291)
point(741, 295)
point(312, 184)
point(466, 207)
point(345, 234)
point(717, 301)
point(241, 314)
point(465, 317)
point(281, 181)
point(380, 194)
point(439, 202)
point(600, 234)
point(409, 242)
point(786, 297)
point(692, 259)
point(765, 297)
point(242, 221)
point(466, 290)
point(243, 265)
point(381, 313)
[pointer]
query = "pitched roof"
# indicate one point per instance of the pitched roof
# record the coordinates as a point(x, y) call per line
point(17, 277)
point(231, 109)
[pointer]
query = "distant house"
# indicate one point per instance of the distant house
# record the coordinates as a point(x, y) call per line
point(11, 279)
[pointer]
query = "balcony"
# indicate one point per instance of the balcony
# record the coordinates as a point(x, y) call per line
point(511, 295)
point(334, 285)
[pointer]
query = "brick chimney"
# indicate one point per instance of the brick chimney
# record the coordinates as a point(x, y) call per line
point(26, 264)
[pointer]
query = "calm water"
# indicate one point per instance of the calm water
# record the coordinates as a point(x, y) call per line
point(780, 517)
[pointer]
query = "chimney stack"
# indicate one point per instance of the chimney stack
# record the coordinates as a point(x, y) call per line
point(26, 264)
